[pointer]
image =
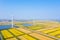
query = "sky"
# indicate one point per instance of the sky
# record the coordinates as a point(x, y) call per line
point(30, 9)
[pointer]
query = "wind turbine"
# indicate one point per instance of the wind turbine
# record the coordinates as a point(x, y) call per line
point(12, 22)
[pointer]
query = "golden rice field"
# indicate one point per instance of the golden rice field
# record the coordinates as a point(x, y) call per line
point(37, 30)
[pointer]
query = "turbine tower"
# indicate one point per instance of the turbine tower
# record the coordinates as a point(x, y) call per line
point(12, 22)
